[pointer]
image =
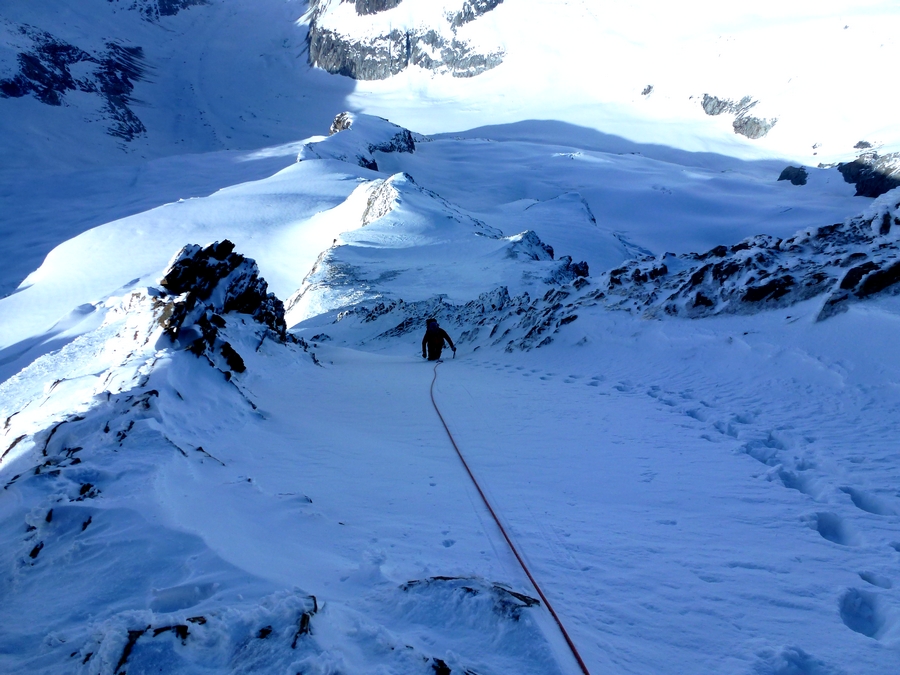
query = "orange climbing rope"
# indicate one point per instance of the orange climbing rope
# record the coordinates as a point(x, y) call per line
point(512, 546)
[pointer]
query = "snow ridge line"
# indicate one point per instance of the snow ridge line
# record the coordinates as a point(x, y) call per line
point(509, 542)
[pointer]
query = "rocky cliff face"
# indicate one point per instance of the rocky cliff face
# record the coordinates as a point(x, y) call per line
point(49, 68)
point(384, 50)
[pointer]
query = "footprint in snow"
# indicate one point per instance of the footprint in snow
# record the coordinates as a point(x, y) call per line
point(833, 528)
point(863, 612)
point(447, 543)
point(876, 580)
point(868, 503)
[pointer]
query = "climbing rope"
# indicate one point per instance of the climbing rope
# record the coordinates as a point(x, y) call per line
point(512, 547)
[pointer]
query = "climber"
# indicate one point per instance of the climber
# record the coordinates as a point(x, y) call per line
point(434, 340)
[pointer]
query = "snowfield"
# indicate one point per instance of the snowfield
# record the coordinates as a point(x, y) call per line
point(676, 376)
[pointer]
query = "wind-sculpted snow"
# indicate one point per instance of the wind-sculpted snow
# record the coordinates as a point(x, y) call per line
point(365, 135)
point(344, 42)
point(847, 262)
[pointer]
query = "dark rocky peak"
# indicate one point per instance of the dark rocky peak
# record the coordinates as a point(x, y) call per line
point(873, 174)
point(356, 138)
point(744, 123)
point(45, 73)
point(528, 246)
point(209, 283)
point(845, 262)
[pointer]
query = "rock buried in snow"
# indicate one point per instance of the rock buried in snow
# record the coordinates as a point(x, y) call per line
point(504, 601)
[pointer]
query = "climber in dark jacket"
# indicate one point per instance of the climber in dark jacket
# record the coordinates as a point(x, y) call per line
point(434, 340)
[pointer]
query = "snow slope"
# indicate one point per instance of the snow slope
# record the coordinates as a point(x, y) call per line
point(715, 493)
point(189, 487)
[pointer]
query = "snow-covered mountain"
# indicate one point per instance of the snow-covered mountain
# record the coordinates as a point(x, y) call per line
point(663, 240)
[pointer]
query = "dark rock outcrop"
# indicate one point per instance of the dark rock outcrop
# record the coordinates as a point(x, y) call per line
point(44, 73)
point(796, 174)
point(379, 57)
point(873, 174)
point(209, 283)
point(744, 124)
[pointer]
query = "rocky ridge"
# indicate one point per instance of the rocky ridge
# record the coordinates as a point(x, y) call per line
point(153, 10)
point(211, 302)
point(845, 262)
point(207, 283)
point(378, 56)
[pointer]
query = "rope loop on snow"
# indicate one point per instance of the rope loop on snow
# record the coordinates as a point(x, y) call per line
point(512, 547)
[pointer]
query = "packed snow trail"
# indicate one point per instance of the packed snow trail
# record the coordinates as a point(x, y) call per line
point(502, 529)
